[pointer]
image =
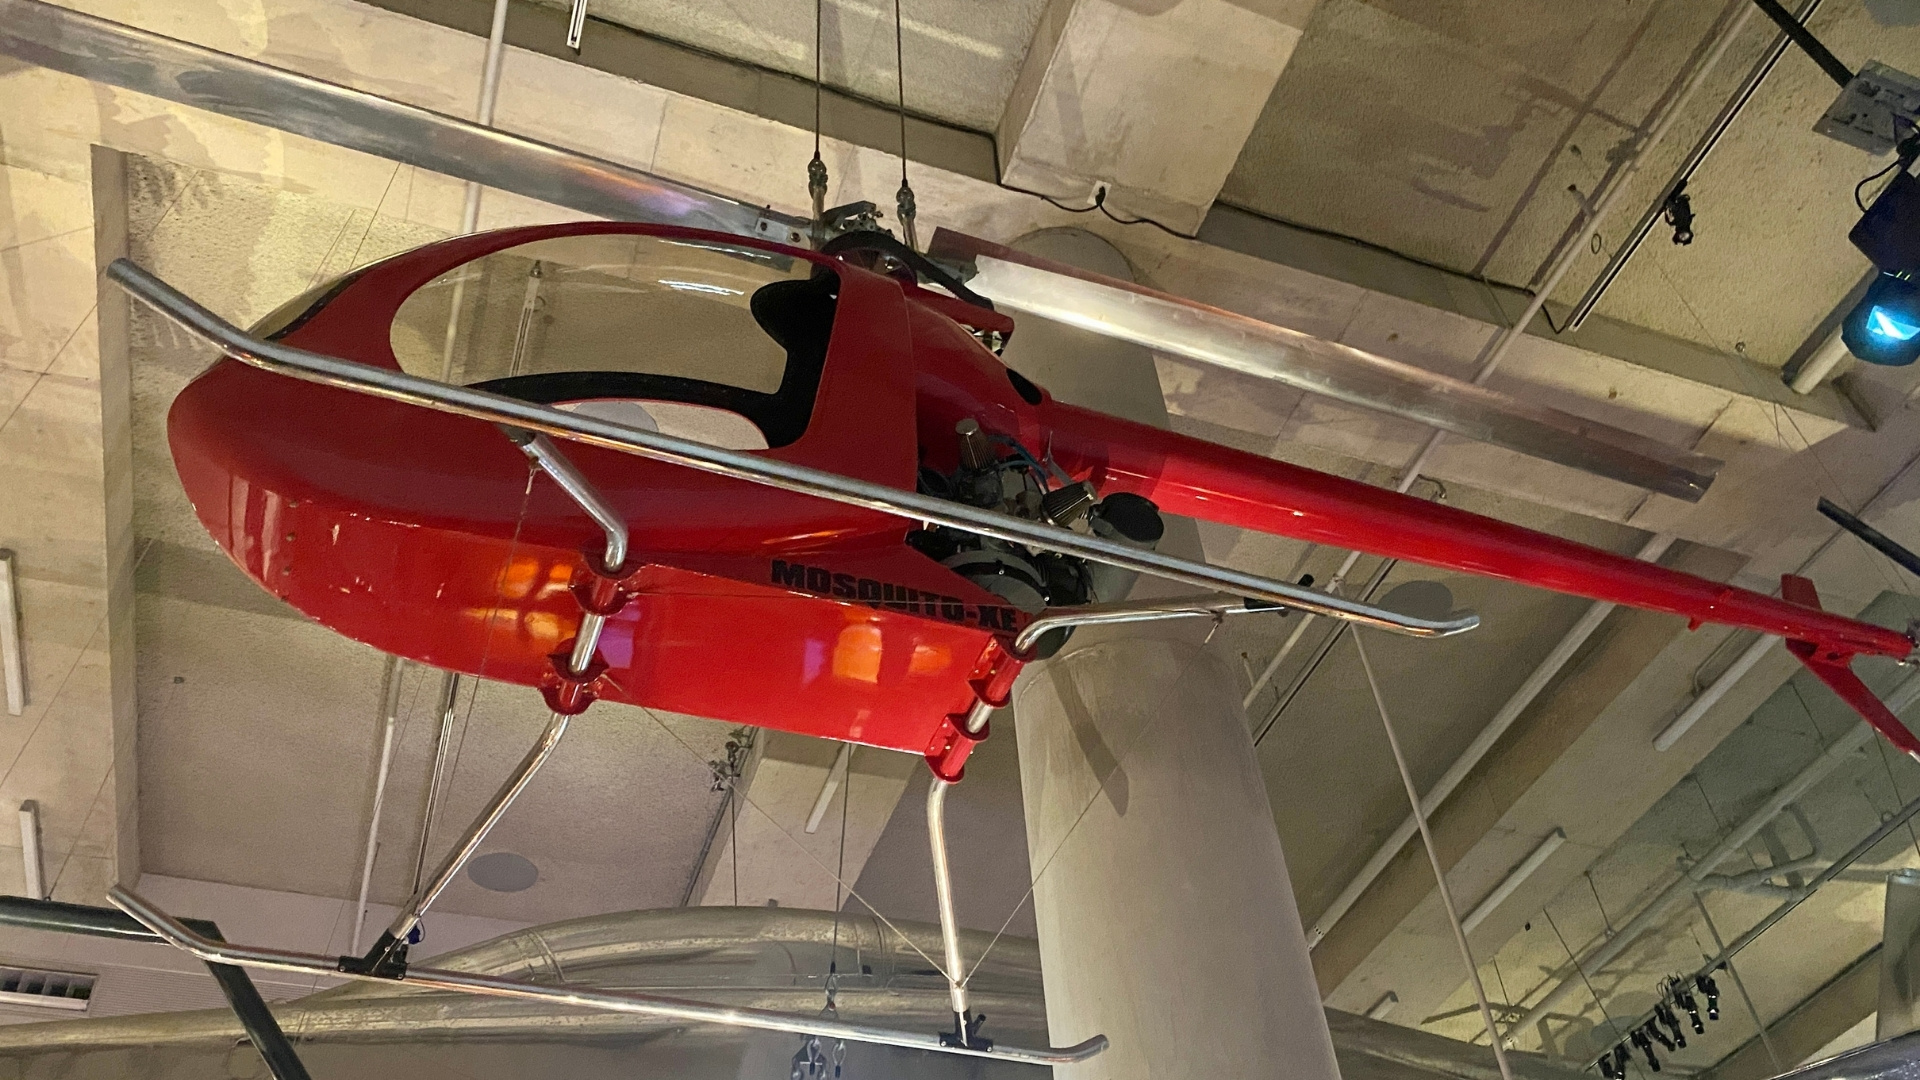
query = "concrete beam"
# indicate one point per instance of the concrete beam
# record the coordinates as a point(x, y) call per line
point(1151, 102)
point(65, 450)
point(1820, 1018)
point(617, 50)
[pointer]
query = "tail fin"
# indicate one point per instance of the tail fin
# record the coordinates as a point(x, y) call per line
point(1836, 670)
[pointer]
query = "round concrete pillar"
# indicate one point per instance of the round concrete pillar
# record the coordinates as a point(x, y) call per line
point(1165, 915)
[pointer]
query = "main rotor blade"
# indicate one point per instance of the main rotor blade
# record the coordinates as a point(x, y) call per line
point(1182, 327)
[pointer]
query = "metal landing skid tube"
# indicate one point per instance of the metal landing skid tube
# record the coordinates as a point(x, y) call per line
point(174, 933)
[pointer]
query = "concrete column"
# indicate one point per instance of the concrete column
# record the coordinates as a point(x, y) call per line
point(1899, 974)
point(1166, 918)
point(1165, 914)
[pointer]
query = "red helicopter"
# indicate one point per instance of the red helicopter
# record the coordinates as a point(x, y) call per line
point(423, 533)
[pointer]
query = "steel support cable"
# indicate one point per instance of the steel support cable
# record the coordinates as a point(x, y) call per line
point(1433, 858)
point(1320, 654)
point(390, 711)
point(1504, 718)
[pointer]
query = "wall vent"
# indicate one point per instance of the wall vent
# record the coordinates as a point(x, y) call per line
point(41, 989)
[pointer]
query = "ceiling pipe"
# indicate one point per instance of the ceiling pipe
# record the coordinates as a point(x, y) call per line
point(1512, 882)
point(1536, 681)
point(1710, 696)
point(1698, 155)
point(1820, 364)
point(13, 670)
point(1690, 881)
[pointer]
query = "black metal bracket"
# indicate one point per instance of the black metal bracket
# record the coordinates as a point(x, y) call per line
point(966, 1033)
point(1809, 44)
point(1875, 539)
point(244, 998)
point(387, 959)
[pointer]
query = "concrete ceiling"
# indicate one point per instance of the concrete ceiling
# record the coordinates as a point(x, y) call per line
point(1448, 131)
point(1469, 134)
point(960, 62)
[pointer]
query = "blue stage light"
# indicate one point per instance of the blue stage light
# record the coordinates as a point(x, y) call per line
point(1884, 327)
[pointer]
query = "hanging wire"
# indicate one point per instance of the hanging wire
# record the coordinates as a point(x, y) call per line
point(817, 168)
point(803, 849)
point(1433, 856)
point(904, 206)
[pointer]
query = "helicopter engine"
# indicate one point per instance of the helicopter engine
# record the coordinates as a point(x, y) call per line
point(997, 473)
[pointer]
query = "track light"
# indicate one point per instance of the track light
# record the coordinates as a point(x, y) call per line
point(1692, 1005)
point(1606, 1066)
point(1707, 986)
point(1620, 1056)
point(1640, 1040)
point(1652, 1028)
point(1884, 327)
point(1665, 1015)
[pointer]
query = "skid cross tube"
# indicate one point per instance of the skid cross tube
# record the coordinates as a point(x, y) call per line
point(255, 1018)
point(629, 1002)
point(753, 468)
point(388, 951)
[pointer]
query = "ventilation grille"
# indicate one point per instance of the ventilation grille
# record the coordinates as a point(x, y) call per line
point(45, 989)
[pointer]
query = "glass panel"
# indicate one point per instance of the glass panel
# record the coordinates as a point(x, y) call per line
point(602, 303)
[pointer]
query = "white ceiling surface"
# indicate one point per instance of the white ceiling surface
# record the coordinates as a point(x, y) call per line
point(1453, 132)
point(1465, 133)
point(961, 56)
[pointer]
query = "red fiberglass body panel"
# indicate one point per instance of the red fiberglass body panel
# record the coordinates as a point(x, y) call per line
point(403, 528)
point(417, 532)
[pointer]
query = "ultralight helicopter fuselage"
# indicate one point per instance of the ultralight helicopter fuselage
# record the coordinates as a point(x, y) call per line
point(424, 535)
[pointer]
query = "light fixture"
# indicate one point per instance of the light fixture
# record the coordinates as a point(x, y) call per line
point(30, 858)
point(1884, 327)
point(1514, 880)
point(1707, 986)
point(14, 671)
